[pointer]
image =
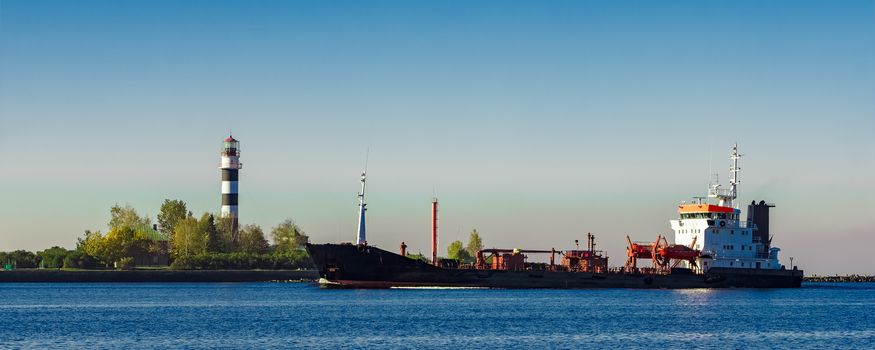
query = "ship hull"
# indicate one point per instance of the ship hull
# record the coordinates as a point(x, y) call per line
point(354, 266)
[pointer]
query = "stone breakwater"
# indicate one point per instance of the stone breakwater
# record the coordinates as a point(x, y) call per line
point(837, 278)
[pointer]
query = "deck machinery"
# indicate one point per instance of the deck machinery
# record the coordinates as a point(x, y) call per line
point(576, 260)
point(661, 255)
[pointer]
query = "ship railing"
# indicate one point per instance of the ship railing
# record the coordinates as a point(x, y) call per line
point(641, 271)
point(719, 192)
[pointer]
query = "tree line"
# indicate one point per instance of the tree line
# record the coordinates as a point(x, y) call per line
point(457, 251)
point(51, 257)
point(179, 238)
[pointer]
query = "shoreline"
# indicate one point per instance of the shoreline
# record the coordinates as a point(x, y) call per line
point(155, 275)
point(167, 275)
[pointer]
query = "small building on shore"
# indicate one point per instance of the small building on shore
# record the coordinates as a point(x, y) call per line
point(158, 253)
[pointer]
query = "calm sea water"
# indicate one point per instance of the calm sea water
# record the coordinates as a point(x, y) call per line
point(287, 315)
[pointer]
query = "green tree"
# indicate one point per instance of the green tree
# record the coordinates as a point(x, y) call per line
point(92, 244)
point(252, 240)
point(126, 217)
point(207, 227)
point(123, 242)
point(288, 236)
point(474, 243)
point(187, 239)
point(419, 256)
point(76, 259)
point(226, 234)
point(456, 251)
point(171, 212)
point(22, 259)
point(53, 257)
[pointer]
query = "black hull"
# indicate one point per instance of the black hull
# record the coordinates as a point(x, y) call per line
point(351, 266)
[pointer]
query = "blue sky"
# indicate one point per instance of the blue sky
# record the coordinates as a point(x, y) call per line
point(534, 122)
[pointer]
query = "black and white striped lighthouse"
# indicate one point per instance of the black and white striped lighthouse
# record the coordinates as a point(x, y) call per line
point(230, 167)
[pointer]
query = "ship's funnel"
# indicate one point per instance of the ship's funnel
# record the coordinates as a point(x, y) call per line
point(758, 215)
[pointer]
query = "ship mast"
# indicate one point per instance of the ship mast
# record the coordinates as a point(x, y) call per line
point(360, 239)
point(727, 198)
point(733, 182)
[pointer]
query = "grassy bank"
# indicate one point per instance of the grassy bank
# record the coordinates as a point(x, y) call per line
point(154, 275)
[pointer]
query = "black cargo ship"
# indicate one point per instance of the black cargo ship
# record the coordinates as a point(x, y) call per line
point(713, 248)
point(361, 266)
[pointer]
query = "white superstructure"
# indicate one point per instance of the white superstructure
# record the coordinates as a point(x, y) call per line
point(720, 234)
